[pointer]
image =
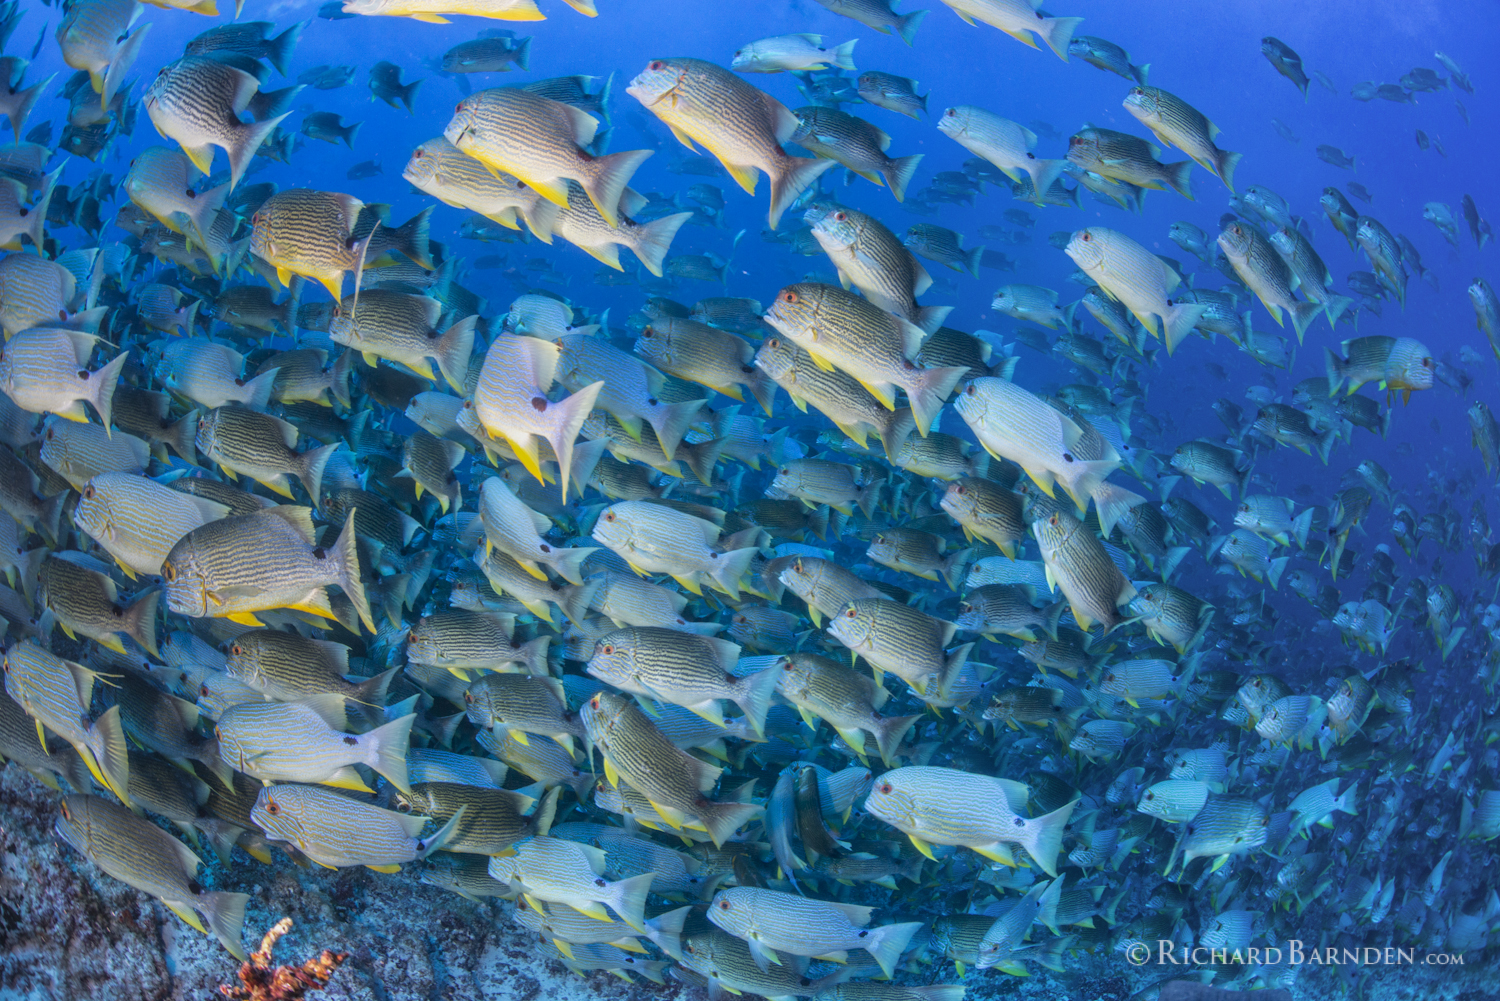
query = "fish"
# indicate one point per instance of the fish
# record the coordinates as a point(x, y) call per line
point(892, 92)
point(880, 15)
point(1486, 312)
point(385, 83)
point(1177, 123)
point(142, 855)
point(856, 144)
point(95, 37)
point(851, 407)
point(943, 245)
point(236, 566)
point(869, 257)
point(86, 602)
point(1396, 363)
point(403, 328)
point(311, 233)
point(1136, 277)
point(443, 171)
point(43, 370)
point(336, 831)
point(1286, 62)
point(1002, 142)
point(488, 55)
point(652, 538)
point(841, 331)
point(294, 742)
point(773, 922)
point(740, 125)
point(137, 520)
point(706, 355)
point(1268, 275)
point(1021, 20)
point(695, 672)
point(1384, 254)
point(1107, 56)
point(797, 52)
point(196, 101)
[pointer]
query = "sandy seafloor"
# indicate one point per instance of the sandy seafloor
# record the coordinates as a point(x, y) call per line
point(68, 932)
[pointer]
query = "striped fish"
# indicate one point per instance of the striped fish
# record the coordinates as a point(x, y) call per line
point(431, 764)
point(856, 144)
point(238, 566)
point(631, 391)
point(726, 962)
point(246, 443)
point(545, 761)
point(568, 928)
point(582, 225)
point(85, 602)
point(160, 181)
point(1171, 615)
point(210, 374)
point(310, 233)
point(288, 667)
point(430, 463)
point(706, 355)
point(494, 819)
point(565, 872)
point(522, 704)
point(1002, 142)
point(870, 257)
point(56, 693)
point(773, 922)
point(1137, 278)
point(453, 177)
point(79, 452)
point(900, 639)
point(295, 742)
point(34, 292)
point(1077, 563)
point(42, 370)
point(197, 101)
point(1312, 274)
point(694, 672)
point(1384, 252)
point(137, 520)
point(95, 36)
point(1175, 800)
point(1225, 826)
point(825, 585)
point(464, 640)
point(841, 330)
point(508, 577)
point(304, 375)
point(1177, 123)
point(336, 831)
point(516, 529)
point(838, 396)
point(510, 401)
point(944, 806)
point(675, 783)
point(1264, 271)
point(837, 484)
point(540, 141)
point(403, 328)
point(137, 852)
point(653, 538)
point(740, 125)
point(985, 510)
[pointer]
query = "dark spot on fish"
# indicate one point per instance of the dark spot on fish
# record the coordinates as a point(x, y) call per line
point(600, 883)
point(320, 553)
point(82, 373)
point(351, 741)
point(539, 404)
point(653, 401)
point(1067, 456)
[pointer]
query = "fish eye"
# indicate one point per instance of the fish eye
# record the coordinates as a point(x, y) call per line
point(236, 650)
point(960, 489)
point(840, 216)
point(724, 905)
point(885, 788)
point(788, 296)
point(609, 516)
point(656, 65)
point(169, 572)
point(609, 650)
point(951, 113)
point(774, 342)
point(88, 492)
point(852, 613)
point(1087, 236)
point(648, 332)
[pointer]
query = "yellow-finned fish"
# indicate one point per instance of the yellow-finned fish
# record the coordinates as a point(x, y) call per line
point(42, 371)
point(742, 126)
point(1002, 142)
point(311, 233)
point(335, 830)
point(432, 11)
point(1020, 19)
point(1177, 123)
point(541, 142)
point(197, 101)
point(95, 35)
point(160, 180)
point(448, 174)
point(1137, 278)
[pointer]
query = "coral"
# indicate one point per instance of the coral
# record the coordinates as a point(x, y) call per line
point(260, 981)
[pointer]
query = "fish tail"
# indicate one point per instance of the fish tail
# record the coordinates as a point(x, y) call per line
point(533, 655)
point(899, 172)
point(427, 846)
point(586, 455)
point(654, 239)
point(349, 132)
point(522, 57)
point(385, 750)
point(124, 58)
point(569, 562)
point(1139, 72)
point(730, 567)
point(258, 391)
point(541, 218)
point(723, 819)
point(1275, 570)
point(270, 103)
point(346, 550)
point(907, 25)
point(374, 691)
point(1333, 367)
point(790, 176)
point(972, 259)
point(868, 497)
point(102, 385)
point(928, 390)
point(888, 942)
point(1177, 178)
point(956, 567)
point(225, 913)
point(312, 466)
point(1042, 837)
point(890, 731)
point(930, 318)
point(666, 930)
point(672, 422)
point(49, 518)
point(1335, 307)
point(38, 217)
point(1043, 174)
point(842, 56)
point(1325, 443)
point(108, 754)
point(899, 424)
point(702, 457)
point(607, 178)
point(413, 237)
point(1057, 32)
point(1226, 163)
point(627, 898)
point(25, 101)
point(1179, 321)
point(753, 694)
point(1303, 314)
point(182, 436)
point(244, 141)
point(279, 49)
point(567, 417)
point(140, 621)
point(338, 385)
point(408, 94)
point(452, 351)
point(575, 599)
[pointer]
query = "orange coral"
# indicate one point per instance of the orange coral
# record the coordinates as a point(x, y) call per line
point(260, 981)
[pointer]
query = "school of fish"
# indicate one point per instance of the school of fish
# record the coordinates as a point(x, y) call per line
point(790, 642)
